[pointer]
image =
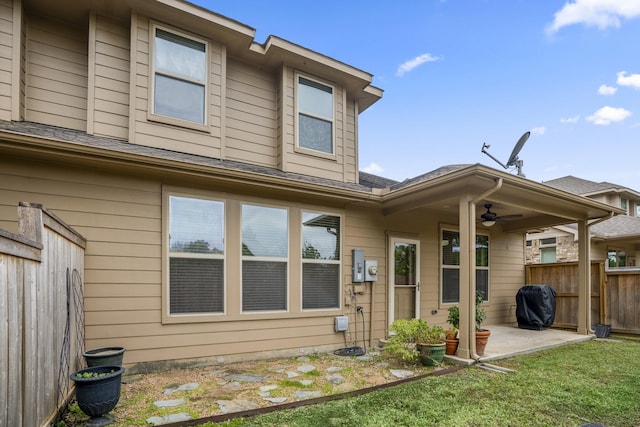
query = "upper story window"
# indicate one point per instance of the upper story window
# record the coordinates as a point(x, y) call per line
point(179, 77)
point(196, 256)
point(315, 115)
point(320, 261)
point(624, 204)
point(265, 256)
point(450, 259)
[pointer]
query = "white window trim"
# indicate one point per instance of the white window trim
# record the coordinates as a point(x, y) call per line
point(321, 261)
point(151, 115)
point(442, 265)
point(309, 151)
point(267, 259)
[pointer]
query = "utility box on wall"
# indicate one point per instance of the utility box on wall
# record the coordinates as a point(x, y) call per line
point(342, 323)
point(357, 267)
point(370, 270)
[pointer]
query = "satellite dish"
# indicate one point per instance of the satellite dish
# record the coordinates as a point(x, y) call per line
point(513, 159)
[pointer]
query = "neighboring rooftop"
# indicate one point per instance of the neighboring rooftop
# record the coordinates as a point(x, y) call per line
point(584, 187)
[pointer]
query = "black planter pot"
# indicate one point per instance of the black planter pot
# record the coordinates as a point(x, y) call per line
point(98, 394)
point(105, 356)
point(602, 331)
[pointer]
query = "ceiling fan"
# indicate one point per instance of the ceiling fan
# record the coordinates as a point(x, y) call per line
point(490, 218)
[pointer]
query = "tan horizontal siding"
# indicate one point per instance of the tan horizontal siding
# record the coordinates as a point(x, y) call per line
point(6, 59)
point(250, 124)
point(122, 318)
point(112, 278)
point(56, 78)
point(120, 216)
point(111, 80)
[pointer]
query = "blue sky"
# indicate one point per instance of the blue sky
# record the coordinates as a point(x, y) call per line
point(460, 73)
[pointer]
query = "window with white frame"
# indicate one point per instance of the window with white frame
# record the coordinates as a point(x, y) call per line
point(265, 250)
point(450, 266)
point(548, 250)
point(320, 261)
point(179, 76)
point(315, 115)
point(617, 257)
point(196, 255)
point(624, 204)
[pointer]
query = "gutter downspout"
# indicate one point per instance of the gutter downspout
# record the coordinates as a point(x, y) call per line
point(472, 266)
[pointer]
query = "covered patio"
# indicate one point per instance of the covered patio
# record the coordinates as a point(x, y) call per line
point(509, 340)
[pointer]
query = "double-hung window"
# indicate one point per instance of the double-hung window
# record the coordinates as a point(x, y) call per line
point(320, 261)
point(315, 116)
point(196, 256)
point(450, 259)
point(179, 77)
point(265, 252)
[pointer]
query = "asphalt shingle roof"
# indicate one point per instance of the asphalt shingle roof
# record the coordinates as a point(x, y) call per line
point(572, 184)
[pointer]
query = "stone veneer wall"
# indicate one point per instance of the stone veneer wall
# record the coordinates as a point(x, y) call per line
point(566, 250)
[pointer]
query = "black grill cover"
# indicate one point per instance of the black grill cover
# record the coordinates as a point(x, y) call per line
point(536, 307)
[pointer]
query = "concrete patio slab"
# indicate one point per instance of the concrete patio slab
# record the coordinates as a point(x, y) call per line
point(508, 341)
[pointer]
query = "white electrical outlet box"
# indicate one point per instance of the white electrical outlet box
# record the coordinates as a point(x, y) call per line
point(342, 323)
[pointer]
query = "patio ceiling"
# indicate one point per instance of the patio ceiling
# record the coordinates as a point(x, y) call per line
point(539, 205)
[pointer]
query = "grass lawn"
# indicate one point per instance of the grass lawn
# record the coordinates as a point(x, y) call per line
point(596, 381)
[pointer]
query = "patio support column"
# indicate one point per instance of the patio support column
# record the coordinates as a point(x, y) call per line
point(466, 347)
point(584, 279)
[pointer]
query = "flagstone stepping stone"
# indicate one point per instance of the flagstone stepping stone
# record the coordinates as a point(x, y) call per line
point(169, 403)
point(364, 358)
point(268, 387)
point(306, 383)
point(245, 378)
point(303, 359)
point(237, 405)
point(335, 379)
point(275, 399)
point(168, 419)
point(334, 369)
point(292, 374)
point(401, 373)
point(233, 384)
point(183, 387)
point(305, 394)
point(306, 368)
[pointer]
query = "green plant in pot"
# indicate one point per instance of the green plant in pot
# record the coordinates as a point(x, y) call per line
point(482, 335)
point(452, 340)
point(414, 339)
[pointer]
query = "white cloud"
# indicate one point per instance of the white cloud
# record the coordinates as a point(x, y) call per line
point(373, 168)
point(607, 90)
point(415, 62)
point(573, 119)
point(540, 130)
point(594, 13)
point(607, 115)
point(632, 80)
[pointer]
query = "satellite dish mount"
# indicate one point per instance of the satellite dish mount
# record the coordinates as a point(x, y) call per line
point(513, 159)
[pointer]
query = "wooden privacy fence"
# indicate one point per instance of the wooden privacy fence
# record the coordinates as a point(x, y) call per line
point(41, 316)
point(615, 294)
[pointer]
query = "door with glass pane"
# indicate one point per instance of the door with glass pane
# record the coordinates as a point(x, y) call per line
point(404, 277)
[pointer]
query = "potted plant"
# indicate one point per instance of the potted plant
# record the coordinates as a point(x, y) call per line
point(452, 340)
point(98, 391)
point(482, 335)
point(414, 339)
point(105, 356)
